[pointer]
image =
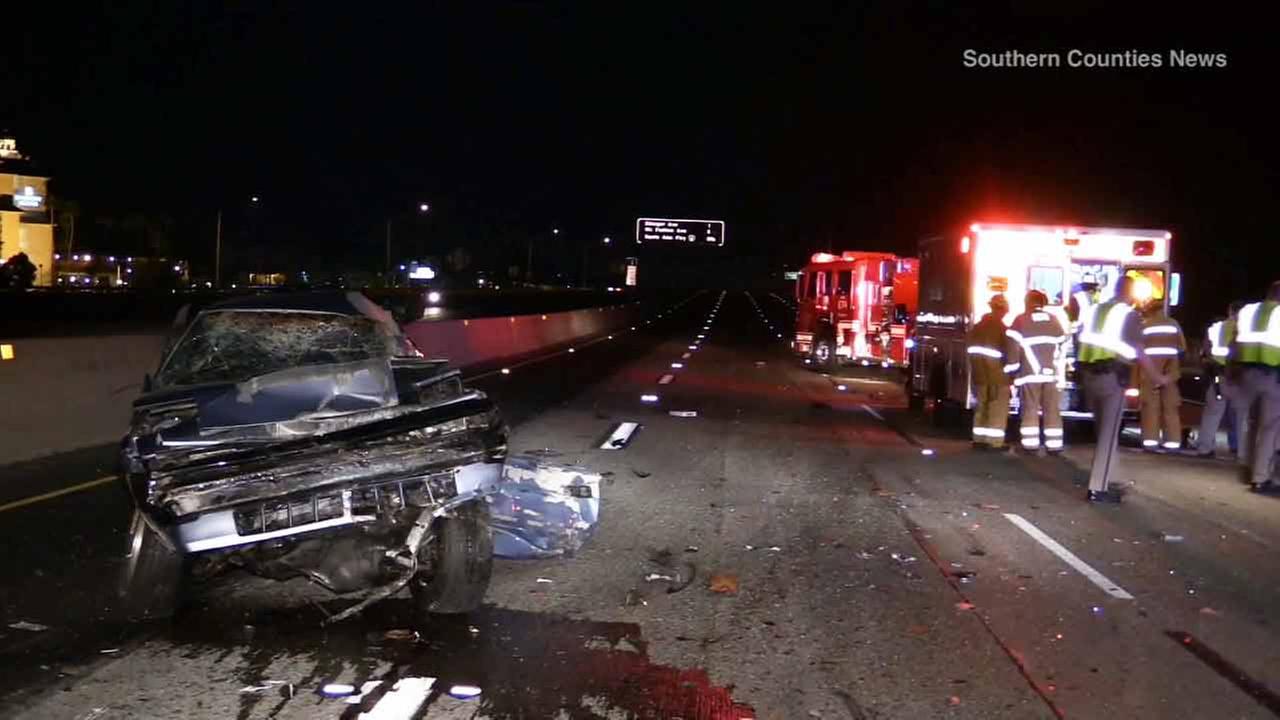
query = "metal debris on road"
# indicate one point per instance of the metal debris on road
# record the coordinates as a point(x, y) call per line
point(683, 413)
point(1171, 538)
point(109, 651)
point(400, 635)
point(652, 577)
point(691, 549)
point(641, 473)
point(1206, 610)
point(29, 626)
point(904, 559)
point(473, 629)
point(964, 606)
point(545, 580)
point(724, 583)
point(265, 686)
point(633, 598)
point(964, 576)
point(337, 690)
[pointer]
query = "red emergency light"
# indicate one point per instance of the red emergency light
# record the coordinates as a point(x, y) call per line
point(964, 245)
point(822, 257)
point(1144, 248)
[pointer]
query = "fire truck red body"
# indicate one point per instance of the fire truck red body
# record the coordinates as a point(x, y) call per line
point(856, 307)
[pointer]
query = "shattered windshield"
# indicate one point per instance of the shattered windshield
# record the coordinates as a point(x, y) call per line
point(233, 346)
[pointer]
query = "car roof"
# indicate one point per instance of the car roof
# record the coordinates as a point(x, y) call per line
point(323, 301)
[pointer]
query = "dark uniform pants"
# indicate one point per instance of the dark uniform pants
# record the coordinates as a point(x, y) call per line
point(1261, 387)
point(1221, 396)
point(1105, 395)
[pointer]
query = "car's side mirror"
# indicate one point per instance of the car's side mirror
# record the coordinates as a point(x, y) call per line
point(147, 383)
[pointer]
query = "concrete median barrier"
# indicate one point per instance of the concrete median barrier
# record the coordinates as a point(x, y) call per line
point(65, 393)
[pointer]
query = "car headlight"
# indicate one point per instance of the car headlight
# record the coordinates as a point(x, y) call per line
point(433, 297)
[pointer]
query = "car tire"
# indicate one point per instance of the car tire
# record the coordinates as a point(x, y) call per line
point(461, 563)
point(152, 575)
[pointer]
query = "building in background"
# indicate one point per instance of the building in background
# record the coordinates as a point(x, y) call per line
point(26, 222)
point(95, 270)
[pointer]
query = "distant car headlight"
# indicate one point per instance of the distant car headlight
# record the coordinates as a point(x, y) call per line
point(433, 297)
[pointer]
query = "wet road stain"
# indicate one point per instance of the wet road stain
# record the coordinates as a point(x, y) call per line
point(526, 664)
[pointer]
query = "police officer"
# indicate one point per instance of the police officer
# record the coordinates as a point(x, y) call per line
point(1110, 342)
point(1256, 355)
point(1036, 343)
point(987, 359)
point(1221, 395)
point(1165, 344)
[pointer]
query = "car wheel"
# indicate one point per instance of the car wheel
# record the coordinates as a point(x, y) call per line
point(461, 563)
point(152, 573)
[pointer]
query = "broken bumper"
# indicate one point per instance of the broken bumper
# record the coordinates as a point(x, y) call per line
point(328, 509)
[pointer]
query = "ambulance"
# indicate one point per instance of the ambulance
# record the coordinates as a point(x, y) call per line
point(855, 307)
point(960, 273)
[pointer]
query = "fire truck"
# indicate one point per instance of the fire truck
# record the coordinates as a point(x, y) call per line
point(855, 307)
point(960, 273)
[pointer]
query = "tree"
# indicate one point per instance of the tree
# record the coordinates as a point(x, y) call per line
point(18, 272)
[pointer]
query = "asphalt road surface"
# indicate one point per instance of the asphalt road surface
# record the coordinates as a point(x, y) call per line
point(848, 560)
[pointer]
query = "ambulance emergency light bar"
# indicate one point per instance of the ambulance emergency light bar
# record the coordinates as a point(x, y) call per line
point(1119, 244)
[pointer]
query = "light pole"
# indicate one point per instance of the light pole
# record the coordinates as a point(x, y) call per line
point(529, 261)
point(423, 208)
point(217, 245)
point(586, 248)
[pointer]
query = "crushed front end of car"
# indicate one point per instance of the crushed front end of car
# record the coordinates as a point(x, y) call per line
point(297, 439)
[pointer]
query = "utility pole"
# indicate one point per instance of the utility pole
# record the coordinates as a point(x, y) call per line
point(217, 254)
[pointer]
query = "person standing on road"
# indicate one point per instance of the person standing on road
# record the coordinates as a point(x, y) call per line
point(1221, 396)
point(1110, 342)
point(1085, 297)
point(987, 360)
point(1165, 344)
point(1036, 344)
point(1255, 353)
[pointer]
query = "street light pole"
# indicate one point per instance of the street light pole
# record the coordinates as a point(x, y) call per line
point(387, 274)
point(217, 254)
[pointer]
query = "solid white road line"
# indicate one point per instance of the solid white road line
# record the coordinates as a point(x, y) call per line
point(403, 701)
point(621, 436)
point(873, 412)
point(1069, 557)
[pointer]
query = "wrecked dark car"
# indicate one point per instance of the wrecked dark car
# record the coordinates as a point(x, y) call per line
point(305, 436)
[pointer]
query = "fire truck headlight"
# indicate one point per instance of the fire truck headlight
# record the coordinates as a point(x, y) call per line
point(909, 343)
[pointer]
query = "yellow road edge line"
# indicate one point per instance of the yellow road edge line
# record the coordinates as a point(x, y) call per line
point(56, 493)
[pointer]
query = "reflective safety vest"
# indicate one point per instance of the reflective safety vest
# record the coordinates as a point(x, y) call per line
point(1218, 340)
point(1035, 349)
point(1084, 300)
point(987, 338)
point(1258, 334)
point(1162, 336)
point(1102, 333)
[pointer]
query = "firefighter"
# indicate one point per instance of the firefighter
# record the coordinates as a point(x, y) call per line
point(1110, 342)
point(1165, 344)
point(987, 358)
point(1255, 356)
point(1221, 395)
point(1035, 348)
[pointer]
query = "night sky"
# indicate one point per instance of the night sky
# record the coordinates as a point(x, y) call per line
point(804, 127)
